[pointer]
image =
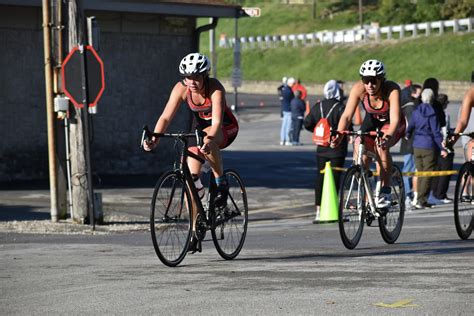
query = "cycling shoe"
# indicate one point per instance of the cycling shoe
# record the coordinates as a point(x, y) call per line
point(222, 195)
point(194, 245)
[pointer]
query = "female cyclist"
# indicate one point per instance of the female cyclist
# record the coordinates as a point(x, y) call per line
point(205, 97)
point(381, 100)
point(466, 108)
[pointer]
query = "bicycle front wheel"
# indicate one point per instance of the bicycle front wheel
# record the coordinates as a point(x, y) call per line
point(464, 201)
point(352, 198)
point(390, 223)
point(170, 218)
point(230, 225)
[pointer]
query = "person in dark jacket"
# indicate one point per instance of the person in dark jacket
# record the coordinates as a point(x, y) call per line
point(427, 143)
point(298, 107)
point(287, 95)
point(336, 155)
point(406, 145)
point(440, 185)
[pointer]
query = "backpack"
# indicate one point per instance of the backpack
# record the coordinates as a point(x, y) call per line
point(322, 130)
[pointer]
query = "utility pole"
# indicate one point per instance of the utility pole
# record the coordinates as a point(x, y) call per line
point(361, 22)
point(79, 181)
point(61, 150)
point(212, 49)
point(314, 9)
point(53, 188)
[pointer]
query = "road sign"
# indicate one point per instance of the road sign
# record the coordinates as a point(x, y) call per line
point(253, 12)
point(71, 74)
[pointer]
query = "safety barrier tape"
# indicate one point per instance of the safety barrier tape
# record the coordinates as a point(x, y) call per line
point(411, 174)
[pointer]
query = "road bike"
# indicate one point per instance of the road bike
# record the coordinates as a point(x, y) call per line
point(175, 195)
point(356, 198)
point(464, 196)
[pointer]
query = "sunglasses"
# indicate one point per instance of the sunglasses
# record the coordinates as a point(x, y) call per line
point(194, 77)
point(372, 80)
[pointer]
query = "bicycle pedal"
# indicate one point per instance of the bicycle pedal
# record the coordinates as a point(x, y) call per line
point(382, 211)
point(195, 246)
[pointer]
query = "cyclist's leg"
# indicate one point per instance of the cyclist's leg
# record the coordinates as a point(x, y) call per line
point(384, 157)
point(384, 163)
point(195, 169)
point(468, 148)
point(214, 157)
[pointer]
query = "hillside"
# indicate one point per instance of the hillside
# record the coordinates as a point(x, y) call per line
point(446, 57)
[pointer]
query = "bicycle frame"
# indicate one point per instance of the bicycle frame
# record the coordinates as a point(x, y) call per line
point(182, 166)
point(358, 161)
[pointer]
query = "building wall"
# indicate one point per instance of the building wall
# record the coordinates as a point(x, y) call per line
point(140, 53)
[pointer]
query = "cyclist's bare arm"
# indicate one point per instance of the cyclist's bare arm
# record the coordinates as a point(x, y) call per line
point(467, 104)
point(355, 96)
point(174, 101)
point(394, 100)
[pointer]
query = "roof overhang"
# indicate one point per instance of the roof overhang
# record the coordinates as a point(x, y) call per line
point(184, 8)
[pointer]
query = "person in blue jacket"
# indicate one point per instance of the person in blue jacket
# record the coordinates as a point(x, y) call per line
point(427, 143)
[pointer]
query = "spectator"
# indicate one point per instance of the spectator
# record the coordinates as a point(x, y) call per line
point(427, 141)
point(280, 87)
point(433, 84)
point(440, 185)
point(287, 96)
point(223, 40)
point(341, 90)
point(336, 155)
point(406, 146)
point(298, 86)
point(297, 114)
point(406, 92)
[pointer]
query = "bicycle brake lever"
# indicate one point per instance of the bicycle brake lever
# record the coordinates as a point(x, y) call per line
point(145, 135)
point(200, 137)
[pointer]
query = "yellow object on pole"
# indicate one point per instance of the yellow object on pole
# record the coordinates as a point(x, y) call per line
point(329, 201)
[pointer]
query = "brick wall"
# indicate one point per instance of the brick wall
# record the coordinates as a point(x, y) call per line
point(140, 52)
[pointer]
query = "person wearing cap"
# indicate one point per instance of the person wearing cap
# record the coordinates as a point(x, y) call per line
point(427, 143)
point(440, 185)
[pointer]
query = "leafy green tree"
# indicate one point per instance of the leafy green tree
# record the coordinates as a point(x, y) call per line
point(428, 10)
point(457, 9)
point(392, 12)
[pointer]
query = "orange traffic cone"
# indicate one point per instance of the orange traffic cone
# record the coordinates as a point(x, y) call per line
point(329, 201)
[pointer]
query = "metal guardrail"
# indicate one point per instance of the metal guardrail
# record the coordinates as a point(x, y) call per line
point(352, 36)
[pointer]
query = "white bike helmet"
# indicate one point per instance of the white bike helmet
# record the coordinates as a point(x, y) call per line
point(372, 68)
point(194, 63)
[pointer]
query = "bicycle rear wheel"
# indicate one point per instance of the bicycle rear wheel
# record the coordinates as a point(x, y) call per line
point(390, 223)
point(170, 218)
point(463, 201)
point(352, 197)
point(230, 223)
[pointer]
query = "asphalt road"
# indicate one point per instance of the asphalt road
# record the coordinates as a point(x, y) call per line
point(287, 266)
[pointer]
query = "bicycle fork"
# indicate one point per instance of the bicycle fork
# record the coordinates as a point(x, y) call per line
point(360, 198)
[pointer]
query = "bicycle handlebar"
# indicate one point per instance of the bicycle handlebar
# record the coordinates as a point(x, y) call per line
point(377, 133)
point(471, 134)
point(147, 135)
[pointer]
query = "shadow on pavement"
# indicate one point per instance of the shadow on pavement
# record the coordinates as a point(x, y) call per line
point(21, 213)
